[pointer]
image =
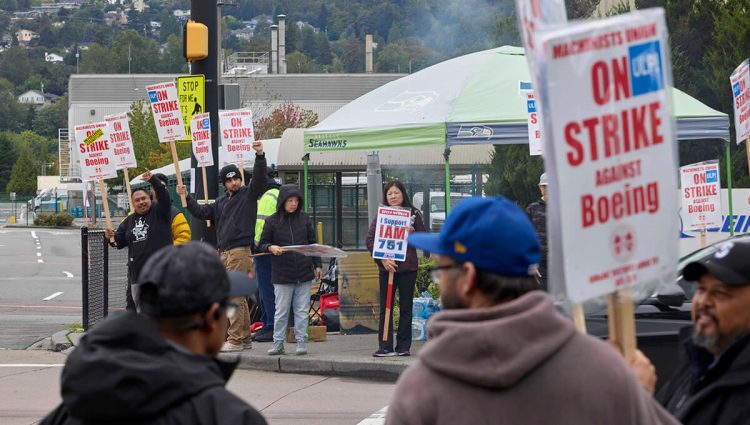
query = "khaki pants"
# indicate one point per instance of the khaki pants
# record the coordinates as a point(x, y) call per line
point(239, 259)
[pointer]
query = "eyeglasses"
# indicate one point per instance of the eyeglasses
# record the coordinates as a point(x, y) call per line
point(436, 272)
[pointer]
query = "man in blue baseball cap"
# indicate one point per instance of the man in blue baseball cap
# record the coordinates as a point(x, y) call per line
point(501, 348)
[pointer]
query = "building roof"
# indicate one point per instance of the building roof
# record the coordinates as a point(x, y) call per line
point(461, 158)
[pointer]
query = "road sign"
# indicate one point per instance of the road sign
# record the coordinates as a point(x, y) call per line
point(191, 90)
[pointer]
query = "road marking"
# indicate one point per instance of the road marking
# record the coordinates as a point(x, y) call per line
point(56, 294)
point(33, 234)
point(38, 247)
point(40, 261)
point(68, 274)
point(38, 254)
point(377, 418)
point(33, 365)
point(64, 307)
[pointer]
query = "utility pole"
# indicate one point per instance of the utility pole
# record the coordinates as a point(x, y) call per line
point(206, 12)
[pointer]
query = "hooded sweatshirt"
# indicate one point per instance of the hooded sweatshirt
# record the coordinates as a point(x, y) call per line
point(519, 362)
point(125, 372)
point(284, 229)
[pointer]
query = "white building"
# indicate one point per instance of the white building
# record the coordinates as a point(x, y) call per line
point(53, 57)
point(32, 97)
point(25, 36)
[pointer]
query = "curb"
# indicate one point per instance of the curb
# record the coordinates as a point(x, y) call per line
point(59, 341)
point(23, 226)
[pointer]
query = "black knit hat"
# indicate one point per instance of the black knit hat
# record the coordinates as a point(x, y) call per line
point(180, 280)
point(229, 172)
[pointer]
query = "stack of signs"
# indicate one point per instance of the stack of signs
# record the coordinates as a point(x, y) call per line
point(97, 160)
point(534, 121)
point(701, 195)
point(200, 131)
point(237, 135)
point(740, 80)
point(391, 231)
point(165, 108)
point(122, 144)
point(611, 154)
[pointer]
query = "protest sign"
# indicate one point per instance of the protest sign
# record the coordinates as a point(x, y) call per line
point(97, 161)
point(165, 107)
point(191, 93)
point(122, 147)
point(534, 121)
point(612, 157)
point(316, 250)
point(237, 135)
point(200, 133)
point(701, 196)
point(740, 80)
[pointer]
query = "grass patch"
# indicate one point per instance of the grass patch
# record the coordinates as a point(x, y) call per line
point(76, 327)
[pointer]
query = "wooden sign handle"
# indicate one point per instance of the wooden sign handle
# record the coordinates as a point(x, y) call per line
point(177, 172)
point(127, 188)
point(622, 322)
point(105, 204)
point(242, 172)
point(579, 318)
point(388, 301)
point(205, 192)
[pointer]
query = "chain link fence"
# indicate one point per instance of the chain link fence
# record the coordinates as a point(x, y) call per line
point(105, 276)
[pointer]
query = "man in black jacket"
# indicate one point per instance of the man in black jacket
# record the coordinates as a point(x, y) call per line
point(159, 367)
point(712, 383)
point(537, 212)
point(145, 231)
point(234, 215)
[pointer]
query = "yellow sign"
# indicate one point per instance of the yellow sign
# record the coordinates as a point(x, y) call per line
point(191, 90)
point(93, 136)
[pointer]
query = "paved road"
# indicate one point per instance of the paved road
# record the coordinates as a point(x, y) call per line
point(40, 284)
point(29, 392)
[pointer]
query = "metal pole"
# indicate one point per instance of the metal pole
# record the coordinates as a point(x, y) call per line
point(374, 186)
point(305, 160)
point(85, 277)
point(339, 227)
point(447, 155)
point(105, 280)
point(729, 187)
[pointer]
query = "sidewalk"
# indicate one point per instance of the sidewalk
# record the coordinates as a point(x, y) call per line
point(339, 355)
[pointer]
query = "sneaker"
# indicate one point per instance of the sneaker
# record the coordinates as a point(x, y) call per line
point(276, 350)
point(301, 349)
point(404, 353)
point(383, 353)
point(264, 335)
point(230, 347)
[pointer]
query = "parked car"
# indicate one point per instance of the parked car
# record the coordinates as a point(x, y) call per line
point(437, 207)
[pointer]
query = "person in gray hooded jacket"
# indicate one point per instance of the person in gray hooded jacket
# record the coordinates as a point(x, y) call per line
point(500, 353)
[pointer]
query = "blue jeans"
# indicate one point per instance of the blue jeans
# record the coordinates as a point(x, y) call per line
point(265, 287)
point(294, 296)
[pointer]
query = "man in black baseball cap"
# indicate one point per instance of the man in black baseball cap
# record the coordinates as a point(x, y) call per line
point(234, 215)
point(712, 383)
point(158, 365)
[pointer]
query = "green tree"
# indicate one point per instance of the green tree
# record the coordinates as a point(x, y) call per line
point(324, 56)
point(514, 174)
point(144, 53)
point(300, 63)
point(15, 65)
point(352, 54)
point(172, 60)
point(23, 176)
point(8, 157)
point(285, 116)
point(97, 59)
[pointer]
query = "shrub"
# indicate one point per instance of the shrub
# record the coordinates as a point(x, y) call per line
point(424, 280)
point(54, 220)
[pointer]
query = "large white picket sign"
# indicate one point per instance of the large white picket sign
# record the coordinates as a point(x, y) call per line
point(740, 80)
point(165, 107)
point(118, 129)
point(237, 135)
point(611, 152)
point(97, 160)
point(200, 132)
point(700, 192)
point(391, 231)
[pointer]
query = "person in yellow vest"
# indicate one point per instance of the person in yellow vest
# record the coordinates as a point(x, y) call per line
point(181, 232)
point(266, 208)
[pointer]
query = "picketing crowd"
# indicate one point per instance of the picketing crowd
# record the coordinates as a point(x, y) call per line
point(500, 352)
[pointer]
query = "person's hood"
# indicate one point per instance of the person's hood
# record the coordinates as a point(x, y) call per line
point(272, 184)
point(495, 347)
point(124, 370)
point(286, 191)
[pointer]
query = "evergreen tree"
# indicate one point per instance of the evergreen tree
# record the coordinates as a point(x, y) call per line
point(23, 176)
point(7, 159)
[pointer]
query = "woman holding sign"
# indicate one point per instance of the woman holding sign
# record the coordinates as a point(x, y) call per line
point(404, 276)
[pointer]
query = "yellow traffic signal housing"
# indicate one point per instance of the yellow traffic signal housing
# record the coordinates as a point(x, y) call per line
point(194, 41)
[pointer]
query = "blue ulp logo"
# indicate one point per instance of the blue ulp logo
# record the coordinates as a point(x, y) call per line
point(152, 96)
point(531, 105)
point(712, 176)
point(205, 123)
point(736, 89)
point(646, 73)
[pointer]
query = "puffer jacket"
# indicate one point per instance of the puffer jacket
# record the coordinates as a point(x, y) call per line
point(284, 229)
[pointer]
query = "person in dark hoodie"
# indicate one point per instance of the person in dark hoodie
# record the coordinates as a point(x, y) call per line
point(144, 232)
point(181, 232)
point(500, 353)
point(711, 384)
point(159, 366)
point(234, 218)
point(266, 208)
point(292, 273)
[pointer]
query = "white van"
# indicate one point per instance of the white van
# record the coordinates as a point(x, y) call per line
point(437, 206)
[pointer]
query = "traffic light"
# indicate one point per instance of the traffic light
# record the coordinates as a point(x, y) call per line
point(194, 41)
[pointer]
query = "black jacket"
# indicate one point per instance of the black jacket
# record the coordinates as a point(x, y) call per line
point(146, 234)
point(284, 229)
point(234, 216)
point(700, 395)
point(125, 372)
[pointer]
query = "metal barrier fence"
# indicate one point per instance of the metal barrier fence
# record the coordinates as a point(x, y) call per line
point(104, 276)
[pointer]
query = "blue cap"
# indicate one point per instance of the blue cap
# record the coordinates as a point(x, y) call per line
point(492, 233)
